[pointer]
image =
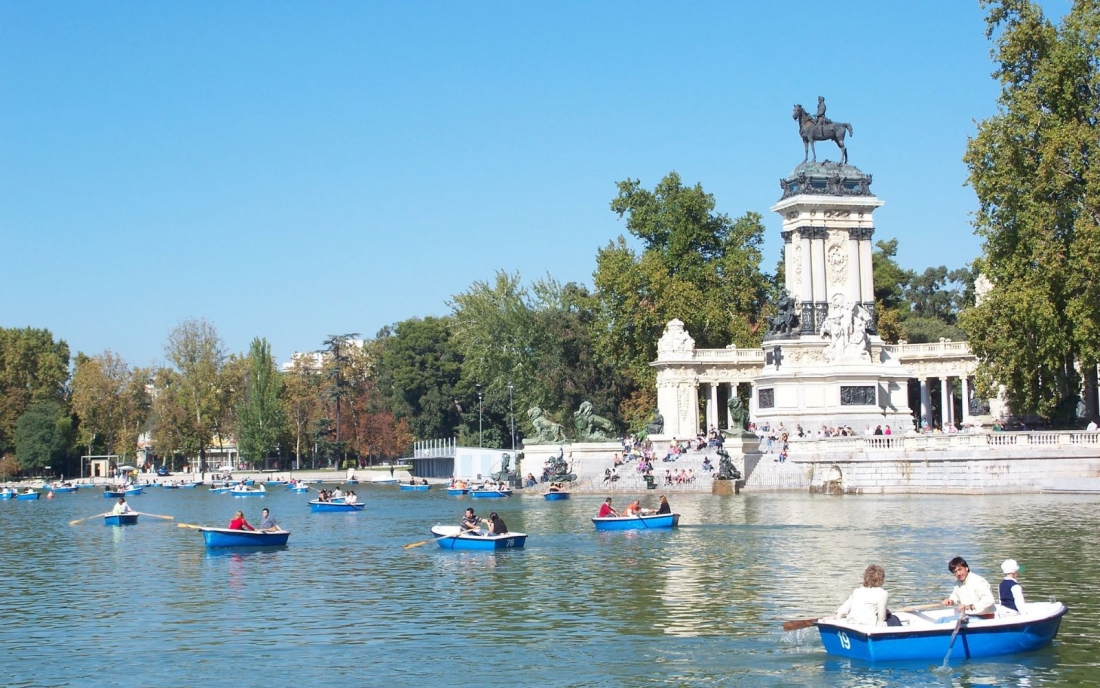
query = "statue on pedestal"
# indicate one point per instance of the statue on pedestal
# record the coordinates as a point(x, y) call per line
point(546, 430)
point(657, 425)
point(590, 427)
point(739, 418)
point(726, 469)
point(557, 470)
point(786, 321)
point(820, 129)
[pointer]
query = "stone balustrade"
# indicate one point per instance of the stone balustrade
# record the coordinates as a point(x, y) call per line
point(870, 445)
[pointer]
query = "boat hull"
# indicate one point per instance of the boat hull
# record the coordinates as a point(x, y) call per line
point(556, 496)
point(113, 494)
point(61, 489)
point(490, 494)
point(415, 488)
point(120, 520)
point(23, 495)
point(322, 507)
point(447, 538)
point(247, 493)
point(930, 641)
point(457, 491)
point(223, 537)
point(134, 490)
point(6, 495)
point(637, 522)
point(299, 490)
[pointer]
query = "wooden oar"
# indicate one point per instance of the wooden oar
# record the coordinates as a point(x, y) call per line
point(806, 623)
point(436, 539)
point(189, 525)
point(81, 520)
point(142, 513)
point(954, 634)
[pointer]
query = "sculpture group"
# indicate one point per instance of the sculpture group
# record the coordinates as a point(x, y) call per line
point(847, 328)
point(589, 426)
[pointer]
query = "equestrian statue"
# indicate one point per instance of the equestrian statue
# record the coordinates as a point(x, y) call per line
point(820, 128)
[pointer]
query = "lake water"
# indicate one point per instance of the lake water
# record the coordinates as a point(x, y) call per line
point(701, 605)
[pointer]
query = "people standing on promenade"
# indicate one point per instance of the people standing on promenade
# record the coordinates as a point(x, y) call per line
point(972, 594)
point(1011, 594)
point(121, 507)
point(606, 510)
point(866, 606)
point(239, 522)
point(267, 522)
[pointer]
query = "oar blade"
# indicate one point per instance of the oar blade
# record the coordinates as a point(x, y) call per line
point(800, 623)
point(416, 544)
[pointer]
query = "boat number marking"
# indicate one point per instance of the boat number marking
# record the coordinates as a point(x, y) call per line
point(844, 642)
point(511, 542)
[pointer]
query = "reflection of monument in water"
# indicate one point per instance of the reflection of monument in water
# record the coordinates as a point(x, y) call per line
point(822, 361)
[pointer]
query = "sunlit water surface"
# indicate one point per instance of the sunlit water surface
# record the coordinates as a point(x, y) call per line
point(701, 605)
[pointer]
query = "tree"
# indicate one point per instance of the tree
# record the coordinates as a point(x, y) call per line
point(1032, 168)
point(33, 368)
point(42, 434)
point(260, 419)
point(337, 384)
point(111, 401)
point(890, 282)
point(301, 401)
point(190, 403)
point(420, 367)
point(696, 265)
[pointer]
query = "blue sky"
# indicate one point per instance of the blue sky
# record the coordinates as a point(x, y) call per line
point(294, 170)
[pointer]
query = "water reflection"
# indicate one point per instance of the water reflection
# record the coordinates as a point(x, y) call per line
point(699, 605)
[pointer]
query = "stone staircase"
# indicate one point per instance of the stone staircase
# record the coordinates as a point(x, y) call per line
point(630, 480)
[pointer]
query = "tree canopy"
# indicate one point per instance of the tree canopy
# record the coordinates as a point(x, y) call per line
point(1031, 167)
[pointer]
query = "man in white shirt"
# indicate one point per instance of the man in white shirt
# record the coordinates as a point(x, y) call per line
point(972, 594)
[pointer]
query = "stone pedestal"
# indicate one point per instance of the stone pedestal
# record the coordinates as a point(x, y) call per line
point(587, 459)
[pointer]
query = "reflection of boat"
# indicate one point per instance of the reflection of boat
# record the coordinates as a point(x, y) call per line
point(319, 506)
point(27, 495)
point(482, 493)
point(452, 537)
point(415, 488)
point(224, 537)
point(637, 522)
point(129, 519)
point(927, 635)
point(555, 496)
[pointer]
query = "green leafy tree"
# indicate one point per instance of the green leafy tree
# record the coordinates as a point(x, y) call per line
point(190, 403)
point(302, 403)
point(43, 434)
point(420, 368)
point(111, 400)
point(337, 386)
point(696, 265)
point(890, 282)
point(33, 368)
point(1032, 167)
point(260, 415)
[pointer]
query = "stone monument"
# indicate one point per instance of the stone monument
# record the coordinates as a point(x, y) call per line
point(824, 363)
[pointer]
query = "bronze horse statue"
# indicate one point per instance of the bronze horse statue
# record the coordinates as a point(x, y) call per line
point(811, 131)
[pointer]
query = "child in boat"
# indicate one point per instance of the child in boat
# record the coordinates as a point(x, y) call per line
point(1012, 595)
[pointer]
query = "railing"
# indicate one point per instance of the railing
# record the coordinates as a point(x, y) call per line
point(937, 349)
point(434, 449)
point(748, 356)
point(909, 443)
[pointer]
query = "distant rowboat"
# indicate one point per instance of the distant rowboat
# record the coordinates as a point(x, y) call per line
point(320, 507)
point(556, 496)
point(452, 537)
point(490, 494)
point(27, 495)
point(415, 488)
point(129, 519)
point(457, 491)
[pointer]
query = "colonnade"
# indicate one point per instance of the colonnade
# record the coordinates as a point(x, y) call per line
point(947, 400)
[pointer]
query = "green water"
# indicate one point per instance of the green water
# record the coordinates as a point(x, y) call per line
point(701, 605)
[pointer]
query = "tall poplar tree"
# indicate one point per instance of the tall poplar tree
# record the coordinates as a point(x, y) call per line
point(1032, 168)
point(260, 417)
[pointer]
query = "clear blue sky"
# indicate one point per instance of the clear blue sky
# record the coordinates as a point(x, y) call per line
point(294, 170)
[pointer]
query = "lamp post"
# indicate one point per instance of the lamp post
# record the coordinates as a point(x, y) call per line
point(512, 417)
point(479, 415)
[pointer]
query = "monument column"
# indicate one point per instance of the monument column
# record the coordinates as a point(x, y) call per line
point(945, 401)
point(806, 293)
point(866, 268)
point(854, 268)
point(925, 402)
point(712, 406)
point(964, 382)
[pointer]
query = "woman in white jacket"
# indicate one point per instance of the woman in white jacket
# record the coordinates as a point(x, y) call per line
point(866, 606)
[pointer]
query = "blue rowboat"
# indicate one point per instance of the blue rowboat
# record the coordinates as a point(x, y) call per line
point(250, 482)
point(274, 483)
point(415, 488)
point(457, 491)
point(637, 522)
point(248, 491)
point(191, 485)
point(7, 494)
point(452, 537)
point(490, 494)
point(319, 506)
point(27, 495)
point(298, 488)
point(136, 489)
point(220, 490)
point(129, 519)
point(171, 487)
point(927, 635)
point(383, 481)
point(61, 488)
point(556, 496)
point(113, 494)
point(353, 481)
point(224, 537)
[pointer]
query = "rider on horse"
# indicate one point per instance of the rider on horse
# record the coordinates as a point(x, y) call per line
point(821, 120)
